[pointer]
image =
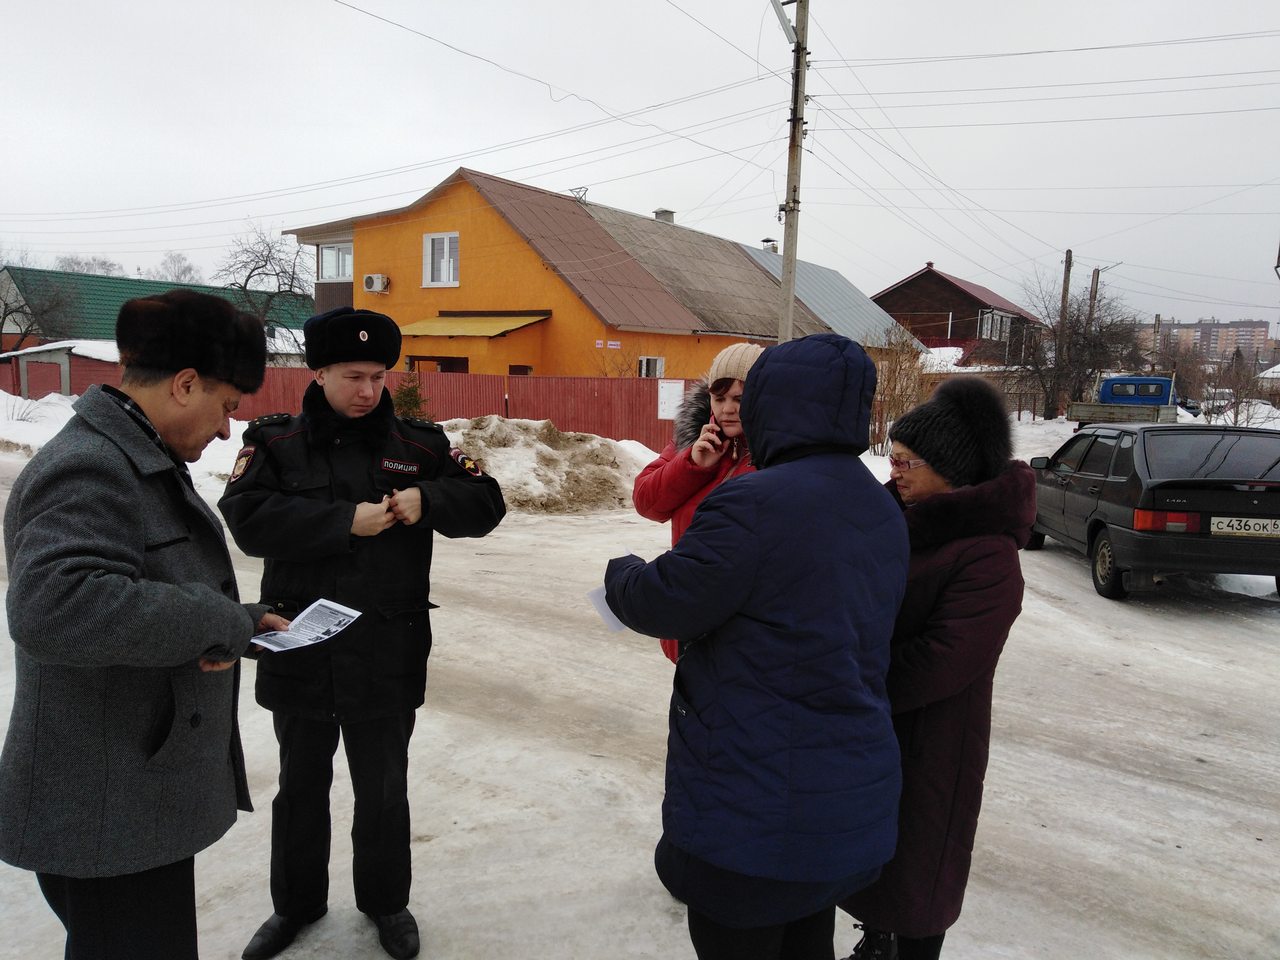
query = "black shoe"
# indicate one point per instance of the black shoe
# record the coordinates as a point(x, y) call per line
point(272, 937)
point(875, 945)
point(398, 934)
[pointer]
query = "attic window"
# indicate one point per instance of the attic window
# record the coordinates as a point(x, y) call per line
point(439, 259)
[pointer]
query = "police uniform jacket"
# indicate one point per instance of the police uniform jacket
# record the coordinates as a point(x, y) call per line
point(291, 499)
point(121, 754)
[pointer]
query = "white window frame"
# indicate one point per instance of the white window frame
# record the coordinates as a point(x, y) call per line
point(656, 365)
point(345, 252)
point(448, 268)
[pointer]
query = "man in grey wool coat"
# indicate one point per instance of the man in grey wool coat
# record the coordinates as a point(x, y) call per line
point(122, 758)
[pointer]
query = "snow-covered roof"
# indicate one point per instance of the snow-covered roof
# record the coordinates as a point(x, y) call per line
point(92, 349)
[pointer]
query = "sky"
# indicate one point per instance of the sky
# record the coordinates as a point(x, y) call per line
point(986, 137)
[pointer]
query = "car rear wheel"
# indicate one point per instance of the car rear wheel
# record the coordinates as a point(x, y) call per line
point(1036, 541)
point(1108, 579)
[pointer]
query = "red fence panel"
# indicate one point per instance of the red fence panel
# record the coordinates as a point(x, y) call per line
point(622, 409)
point(281, 392)
point(85, 372)
point(618, 408)
point(452, 395)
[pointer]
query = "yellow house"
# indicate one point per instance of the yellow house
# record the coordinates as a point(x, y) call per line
point(486, 275)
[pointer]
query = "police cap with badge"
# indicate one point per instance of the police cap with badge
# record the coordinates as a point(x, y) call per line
point(348, 335)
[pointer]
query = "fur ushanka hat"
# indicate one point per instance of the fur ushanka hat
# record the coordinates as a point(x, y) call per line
point(347, 335)
point(185, 329)
point(962, 431)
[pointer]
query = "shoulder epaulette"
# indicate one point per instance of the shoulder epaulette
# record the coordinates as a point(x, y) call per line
point(425, 424)
point(270, 420)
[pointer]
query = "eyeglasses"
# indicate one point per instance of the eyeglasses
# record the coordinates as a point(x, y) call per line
point(905, 465)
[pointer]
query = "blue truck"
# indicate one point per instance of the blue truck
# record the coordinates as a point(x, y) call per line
point(1129, 399)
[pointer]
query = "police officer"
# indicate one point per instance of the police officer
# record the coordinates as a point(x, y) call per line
point(342, 501)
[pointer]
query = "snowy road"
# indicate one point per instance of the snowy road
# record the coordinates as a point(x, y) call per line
point(1132, 808)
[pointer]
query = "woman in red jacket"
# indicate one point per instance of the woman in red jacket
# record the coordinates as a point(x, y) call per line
point(969, 509)
point(708, 448)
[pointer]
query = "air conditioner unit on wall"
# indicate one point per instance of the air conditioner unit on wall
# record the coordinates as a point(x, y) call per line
point(376, 282)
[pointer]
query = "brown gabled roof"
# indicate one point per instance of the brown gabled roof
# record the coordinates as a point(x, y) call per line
point(634, 272)
point(607, 277)
point(988, 298)
point(639, 273)
point(712, 277)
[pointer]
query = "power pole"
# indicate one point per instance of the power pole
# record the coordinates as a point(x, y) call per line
point(1093, 300)
point(1093, 294)
point(1060, 361)
point(791, 208)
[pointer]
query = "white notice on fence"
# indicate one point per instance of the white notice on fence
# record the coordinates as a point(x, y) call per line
point(318, 622)
point(670, 393)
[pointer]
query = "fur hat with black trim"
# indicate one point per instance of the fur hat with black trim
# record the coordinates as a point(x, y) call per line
point(962, 431)
point(347, 335)
point(183, 329)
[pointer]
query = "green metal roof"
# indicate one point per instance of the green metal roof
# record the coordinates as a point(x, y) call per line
point(98, 299)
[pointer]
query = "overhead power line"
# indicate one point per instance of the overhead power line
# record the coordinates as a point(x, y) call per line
point(1058, 99)
point(1053, 86)
point(953, 58)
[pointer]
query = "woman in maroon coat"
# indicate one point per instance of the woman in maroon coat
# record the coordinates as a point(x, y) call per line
point(969, 509)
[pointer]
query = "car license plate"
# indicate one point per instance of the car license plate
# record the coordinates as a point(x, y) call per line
point(1245, 526)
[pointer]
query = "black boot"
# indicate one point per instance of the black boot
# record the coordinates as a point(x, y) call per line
point(272, 937)
point(398, 934)
point(875, 945)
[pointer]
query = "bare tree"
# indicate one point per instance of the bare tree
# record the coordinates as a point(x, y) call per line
point(100, 266)
point(623, 362)
point(270, 270)
point(176, 268)
point(1237, 379)
point(1185, 364)
point(1088, 348)
point(897, 383)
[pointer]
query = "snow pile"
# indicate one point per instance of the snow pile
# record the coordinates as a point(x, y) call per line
point(25, 425)
point(1249, 413)
point(543, 470)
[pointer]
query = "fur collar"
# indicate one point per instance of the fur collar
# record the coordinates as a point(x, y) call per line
point(1003, 505)
point(324, 424)
point(693, 414)
point(695, 410)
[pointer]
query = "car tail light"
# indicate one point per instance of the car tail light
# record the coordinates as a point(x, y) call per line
point(1166, 521)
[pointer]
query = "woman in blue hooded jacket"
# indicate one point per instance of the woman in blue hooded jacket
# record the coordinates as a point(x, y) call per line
point(782, 776)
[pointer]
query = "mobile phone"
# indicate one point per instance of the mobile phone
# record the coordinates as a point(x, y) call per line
point(719, 433)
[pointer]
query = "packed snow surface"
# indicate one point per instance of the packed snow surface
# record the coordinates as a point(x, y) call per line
point(1130, 809)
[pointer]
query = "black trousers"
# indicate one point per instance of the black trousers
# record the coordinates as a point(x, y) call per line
point(920, 948)
point(139, 916)
point(809, 938)
point(378, 758)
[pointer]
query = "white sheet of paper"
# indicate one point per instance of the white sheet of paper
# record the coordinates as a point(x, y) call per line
point(598, 601)
point(317, 623)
